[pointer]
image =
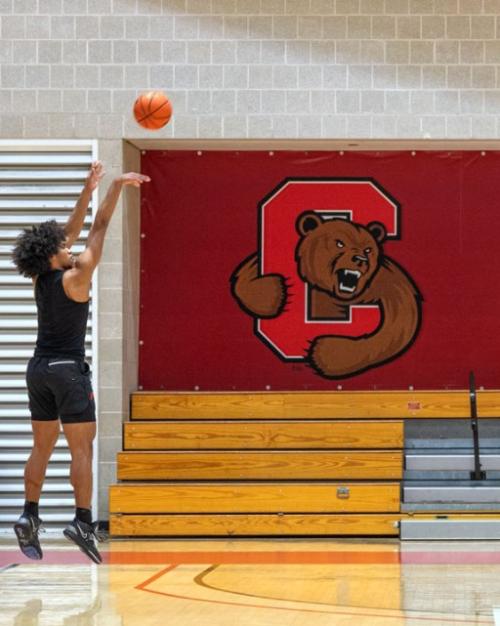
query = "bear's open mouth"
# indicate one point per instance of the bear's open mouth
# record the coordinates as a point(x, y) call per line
point(348, 280)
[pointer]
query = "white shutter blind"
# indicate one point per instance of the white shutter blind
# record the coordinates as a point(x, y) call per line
point(38, 181)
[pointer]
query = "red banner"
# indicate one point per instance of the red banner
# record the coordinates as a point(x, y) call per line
point(363, 270)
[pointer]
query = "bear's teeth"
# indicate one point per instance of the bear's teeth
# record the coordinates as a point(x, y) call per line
point(345, 288)
point(350, 277)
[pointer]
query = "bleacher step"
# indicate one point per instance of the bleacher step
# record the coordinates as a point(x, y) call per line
point(440, 462)
point(449, 443)
point(457, 476)
point(449, 507)
point(445, 529)
point(451, 493)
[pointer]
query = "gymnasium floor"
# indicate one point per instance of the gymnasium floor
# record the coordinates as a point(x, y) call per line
point(253, 583)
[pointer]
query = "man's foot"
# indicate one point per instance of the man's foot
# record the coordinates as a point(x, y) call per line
point(26, 529)
point(84, 536)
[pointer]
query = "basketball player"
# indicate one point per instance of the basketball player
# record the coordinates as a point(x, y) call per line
point(58, 378)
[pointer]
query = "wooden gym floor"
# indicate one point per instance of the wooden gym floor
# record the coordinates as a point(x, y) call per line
point(253, 583)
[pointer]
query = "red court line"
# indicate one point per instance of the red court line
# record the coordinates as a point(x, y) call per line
point(155, 577)
point(50, 557)
point(257, 558)
point(450, 558)
point(304, 558)
point(114, 557)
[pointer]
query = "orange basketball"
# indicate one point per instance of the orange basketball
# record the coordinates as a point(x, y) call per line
point(152, 110)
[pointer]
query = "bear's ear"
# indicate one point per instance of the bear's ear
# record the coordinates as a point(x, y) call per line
point(308, 221)
point(378, 231)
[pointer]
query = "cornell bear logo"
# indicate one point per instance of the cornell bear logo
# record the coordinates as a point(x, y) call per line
point(342, 266)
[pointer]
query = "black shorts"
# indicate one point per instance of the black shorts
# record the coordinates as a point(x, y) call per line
point(60, 388)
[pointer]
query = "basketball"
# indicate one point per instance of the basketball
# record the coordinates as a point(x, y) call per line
point(152, 110)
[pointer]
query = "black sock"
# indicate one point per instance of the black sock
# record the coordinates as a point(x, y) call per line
point(30, 508)
point(84, 515)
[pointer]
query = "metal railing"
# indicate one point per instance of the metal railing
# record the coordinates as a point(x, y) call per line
point(477, 473)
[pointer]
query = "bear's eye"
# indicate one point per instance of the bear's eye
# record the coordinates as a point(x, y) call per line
point(367, 250)
point(340, 244)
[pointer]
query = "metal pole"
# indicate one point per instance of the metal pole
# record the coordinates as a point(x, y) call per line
point(477, 474)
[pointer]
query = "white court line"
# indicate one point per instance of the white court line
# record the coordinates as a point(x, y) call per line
point(496, 615)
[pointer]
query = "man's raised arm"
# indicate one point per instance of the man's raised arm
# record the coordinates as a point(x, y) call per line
point(76, 220)
point(90, 257)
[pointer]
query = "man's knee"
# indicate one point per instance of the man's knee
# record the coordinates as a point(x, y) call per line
point(43, 449)
point(83, 452)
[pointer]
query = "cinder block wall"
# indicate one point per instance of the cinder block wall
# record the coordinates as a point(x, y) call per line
point(252, 68)
point(239, 69)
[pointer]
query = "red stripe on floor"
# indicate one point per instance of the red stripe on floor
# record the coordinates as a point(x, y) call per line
point(118, 557)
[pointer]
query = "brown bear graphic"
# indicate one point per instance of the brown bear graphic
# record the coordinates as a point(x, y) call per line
point(343, 264)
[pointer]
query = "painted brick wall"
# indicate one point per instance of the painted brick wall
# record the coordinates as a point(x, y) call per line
point(252, 68)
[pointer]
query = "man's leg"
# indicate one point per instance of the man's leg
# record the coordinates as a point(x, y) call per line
point(45, 434)
point(80, 436)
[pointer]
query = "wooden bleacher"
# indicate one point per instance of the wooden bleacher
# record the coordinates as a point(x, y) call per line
point(270, 464)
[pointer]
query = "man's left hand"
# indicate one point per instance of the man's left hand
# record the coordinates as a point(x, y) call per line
point(95, 175)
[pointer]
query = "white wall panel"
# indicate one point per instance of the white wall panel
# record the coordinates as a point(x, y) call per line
point(38, 182)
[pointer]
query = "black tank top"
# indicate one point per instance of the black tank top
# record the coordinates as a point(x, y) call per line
point(62, 322)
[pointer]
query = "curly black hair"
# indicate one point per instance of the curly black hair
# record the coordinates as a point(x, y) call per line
point(35, 246)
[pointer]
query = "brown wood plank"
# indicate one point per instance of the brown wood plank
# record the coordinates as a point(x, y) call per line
point(255, 498)
point(248, 435)
point(271, 524)
point(311, 405)
point(253, 525)
point(336, 465)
